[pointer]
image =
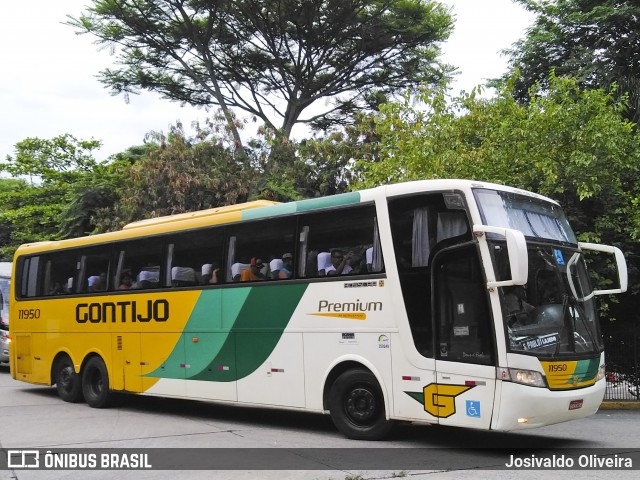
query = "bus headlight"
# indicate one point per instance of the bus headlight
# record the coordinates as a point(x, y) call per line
point(524, 377)
point(601, 373)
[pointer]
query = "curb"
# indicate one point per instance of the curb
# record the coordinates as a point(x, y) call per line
point(622, 405)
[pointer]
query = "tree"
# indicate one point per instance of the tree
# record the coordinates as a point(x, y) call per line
point(61, 159)
point(595, 41)
point(270, 57)
point(8, 188)
point(570, 144)
point(177, 174)
point(57, 170)
point(314, 167)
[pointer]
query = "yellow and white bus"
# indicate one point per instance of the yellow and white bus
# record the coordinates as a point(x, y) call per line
point(442, 301)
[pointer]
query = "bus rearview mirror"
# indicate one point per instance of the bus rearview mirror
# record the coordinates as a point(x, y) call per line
point(621, 265)
point(517, 251)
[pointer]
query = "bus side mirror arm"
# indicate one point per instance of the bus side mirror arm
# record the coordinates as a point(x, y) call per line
point(620, 263)
point(517, 251)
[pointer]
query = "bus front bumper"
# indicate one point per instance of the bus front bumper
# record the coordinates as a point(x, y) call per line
point(523, 406)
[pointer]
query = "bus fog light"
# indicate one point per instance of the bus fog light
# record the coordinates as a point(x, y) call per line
point(523, 420)
point(601, 373)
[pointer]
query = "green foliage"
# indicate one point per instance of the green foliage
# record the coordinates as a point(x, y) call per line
point(310, 168)
point(271, 58)
point(63, 159)
point(567, 143)
point(37, 210)
point(178, 174)
point(594, 41)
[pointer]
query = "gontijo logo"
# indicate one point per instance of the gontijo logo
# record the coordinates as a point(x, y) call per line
point(351, 310)
point(439, 399)
point(123, 312)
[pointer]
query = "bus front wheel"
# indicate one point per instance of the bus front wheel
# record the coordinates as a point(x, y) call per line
point(68, 382)
point(357, 406)
point(95, 383)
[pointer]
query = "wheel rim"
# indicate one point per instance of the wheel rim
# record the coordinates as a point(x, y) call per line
point(361, 406)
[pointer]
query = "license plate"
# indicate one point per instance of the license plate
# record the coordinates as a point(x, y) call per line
point(575, 404)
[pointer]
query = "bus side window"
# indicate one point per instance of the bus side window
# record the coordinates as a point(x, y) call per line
point(195, 258)
point(28, 276)
point(59, 273)
point(144, 261)
point(258, 248)
point(337, 241)
point(95, 270)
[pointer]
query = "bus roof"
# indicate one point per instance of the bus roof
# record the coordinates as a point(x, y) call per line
point(198, 214)
point(260, 209)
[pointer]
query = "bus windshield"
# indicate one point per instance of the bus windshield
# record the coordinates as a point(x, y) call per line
point(554, 315)
point(532, 216)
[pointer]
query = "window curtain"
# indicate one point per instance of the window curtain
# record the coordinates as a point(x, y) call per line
point(420, 246)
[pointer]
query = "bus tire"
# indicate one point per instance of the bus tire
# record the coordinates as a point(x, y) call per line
point(95, 383)
point(357, 407)
point(68, 382)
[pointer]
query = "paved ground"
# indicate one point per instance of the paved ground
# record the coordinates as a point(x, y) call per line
point(34, 417)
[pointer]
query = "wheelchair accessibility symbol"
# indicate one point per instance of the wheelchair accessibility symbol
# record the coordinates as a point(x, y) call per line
point(473, 408)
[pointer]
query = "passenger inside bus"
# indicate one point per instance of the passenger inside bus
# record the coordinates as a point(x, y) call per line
point(210, 273)
point(97, 283)
point(324, 261)
point(339, 263)
point(287, 266)
point(254, 272)
point(275, 266)
point(56, 289)
point(125, 281)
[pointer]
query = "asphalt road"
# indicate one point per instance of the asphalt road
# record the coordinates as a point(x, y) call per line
point(33, 417)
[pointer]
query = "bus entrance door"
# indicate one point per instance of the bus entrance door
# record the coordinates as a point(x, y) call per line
point(465, 360)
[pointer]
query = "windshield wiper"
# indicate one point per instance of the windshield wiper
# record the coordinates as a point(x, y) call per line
point(565, 309)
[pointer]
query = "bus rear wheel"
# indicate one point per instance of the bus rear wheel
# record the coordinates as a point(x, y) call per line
point(357, 406)
point(68, 382)
point(95, 383)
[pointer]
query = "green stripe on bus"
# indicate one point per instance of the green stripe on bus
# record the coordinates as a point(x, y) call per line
point(302, 206)
point(259, 316)
point(587, 369)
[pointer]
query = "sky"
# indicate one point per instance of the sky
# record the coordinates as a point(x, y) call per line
point(49, 85)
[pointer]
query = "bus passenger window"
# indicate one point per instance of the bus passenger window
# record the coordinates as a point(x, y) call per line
point(255, 250)
point(195, 258)
point(336, 242)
